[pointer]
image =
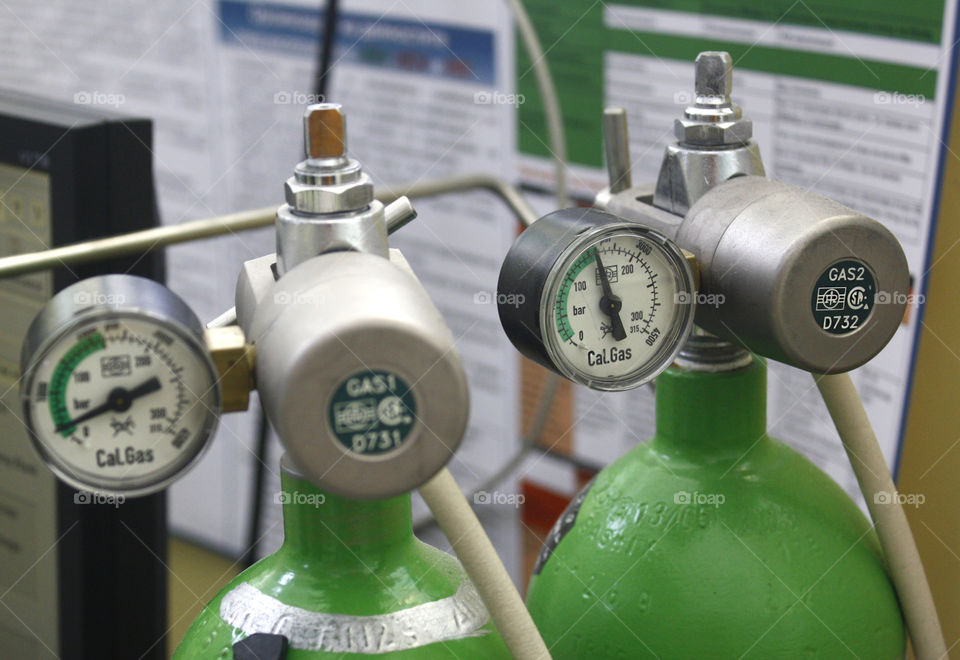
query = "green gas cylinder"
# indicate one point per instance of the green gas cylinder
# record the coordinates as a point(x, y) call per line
point(350, 580)
point(714, 541)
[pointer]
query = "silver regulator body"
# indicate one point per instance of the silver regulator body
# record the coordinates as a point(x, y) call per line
point(785, 272)
point(356, 369)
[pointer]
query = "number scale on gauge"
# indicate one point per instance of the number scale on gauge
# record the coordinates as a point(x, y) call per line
point(640, 322)
point(604, 302)
point(122, 401)
point(587, 327)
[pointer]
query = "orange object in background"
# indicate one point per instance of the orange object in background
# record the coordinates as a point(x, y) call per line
point(543, 503)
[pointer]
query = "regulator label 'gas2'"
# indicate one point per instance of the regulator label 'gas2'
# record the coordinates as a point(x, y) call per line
point(843, 297)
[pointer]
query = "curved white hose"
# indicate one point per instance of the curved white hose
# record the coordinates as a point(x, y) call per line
point(482, 564)
point(899, 548)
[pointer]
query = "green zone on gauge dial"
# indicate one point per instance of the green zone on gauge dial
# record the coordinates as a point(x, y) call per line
point(618, 307)
point(602, 301)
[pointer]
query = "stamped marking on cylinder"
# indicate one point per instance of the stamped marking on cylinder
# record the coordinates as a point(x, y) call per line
point(372, 412)
point(459, 616)
point(844, 296)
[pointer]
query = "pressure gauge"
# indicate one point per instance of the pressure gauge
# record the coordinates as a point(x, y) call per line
point(119, 392)
point(603, 302)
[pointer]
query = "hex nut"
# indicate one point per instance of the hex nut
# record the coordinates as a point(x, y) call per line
point(698, 133)
point(329, 198)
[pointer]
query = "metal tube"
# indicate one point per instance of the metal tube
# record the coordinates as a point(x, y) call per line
point(149, 239)
point(617, 146)
point(434, 187)
point(135, 242)
point(398, 213)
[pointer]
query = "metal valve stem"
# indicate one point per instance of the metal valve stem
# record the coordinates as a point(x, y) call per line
point(330, 202)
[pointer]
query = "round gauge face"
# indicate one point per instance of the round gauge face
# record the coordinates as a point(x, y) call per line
point(121, 403)
point(618, 307)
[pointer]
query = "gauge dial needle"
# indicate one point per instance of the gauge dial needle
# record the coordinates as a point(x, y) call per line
point(119, 400)
point(610, 304)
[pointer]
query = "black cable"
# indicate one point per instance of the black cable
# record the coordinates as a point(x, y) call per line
point(327, 37)
point(256, 509)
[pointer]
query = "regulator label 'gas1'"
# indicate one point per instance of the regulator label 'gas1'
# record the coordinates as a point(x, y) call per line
point(372, 412)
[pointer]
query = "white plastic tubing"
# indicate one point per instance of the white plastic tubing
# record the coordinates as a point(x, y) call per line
point(903, 560)
point(458, 521)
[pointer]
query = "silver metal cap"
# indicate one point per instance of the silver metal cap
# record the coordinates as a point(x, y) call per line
point(713, 79)
point(713, 119)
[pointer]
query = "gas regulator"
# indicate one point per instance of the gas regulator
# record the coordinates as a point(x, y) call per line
point(359, 376)
point(608, 296)
point(123, 387)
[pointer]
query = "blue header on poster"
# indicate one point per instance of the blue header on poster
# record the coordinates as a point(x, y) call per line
point(397, 44)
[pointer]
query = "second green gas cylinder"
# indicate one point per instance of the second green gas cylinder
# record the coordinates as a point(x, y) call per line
point(714, 541)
